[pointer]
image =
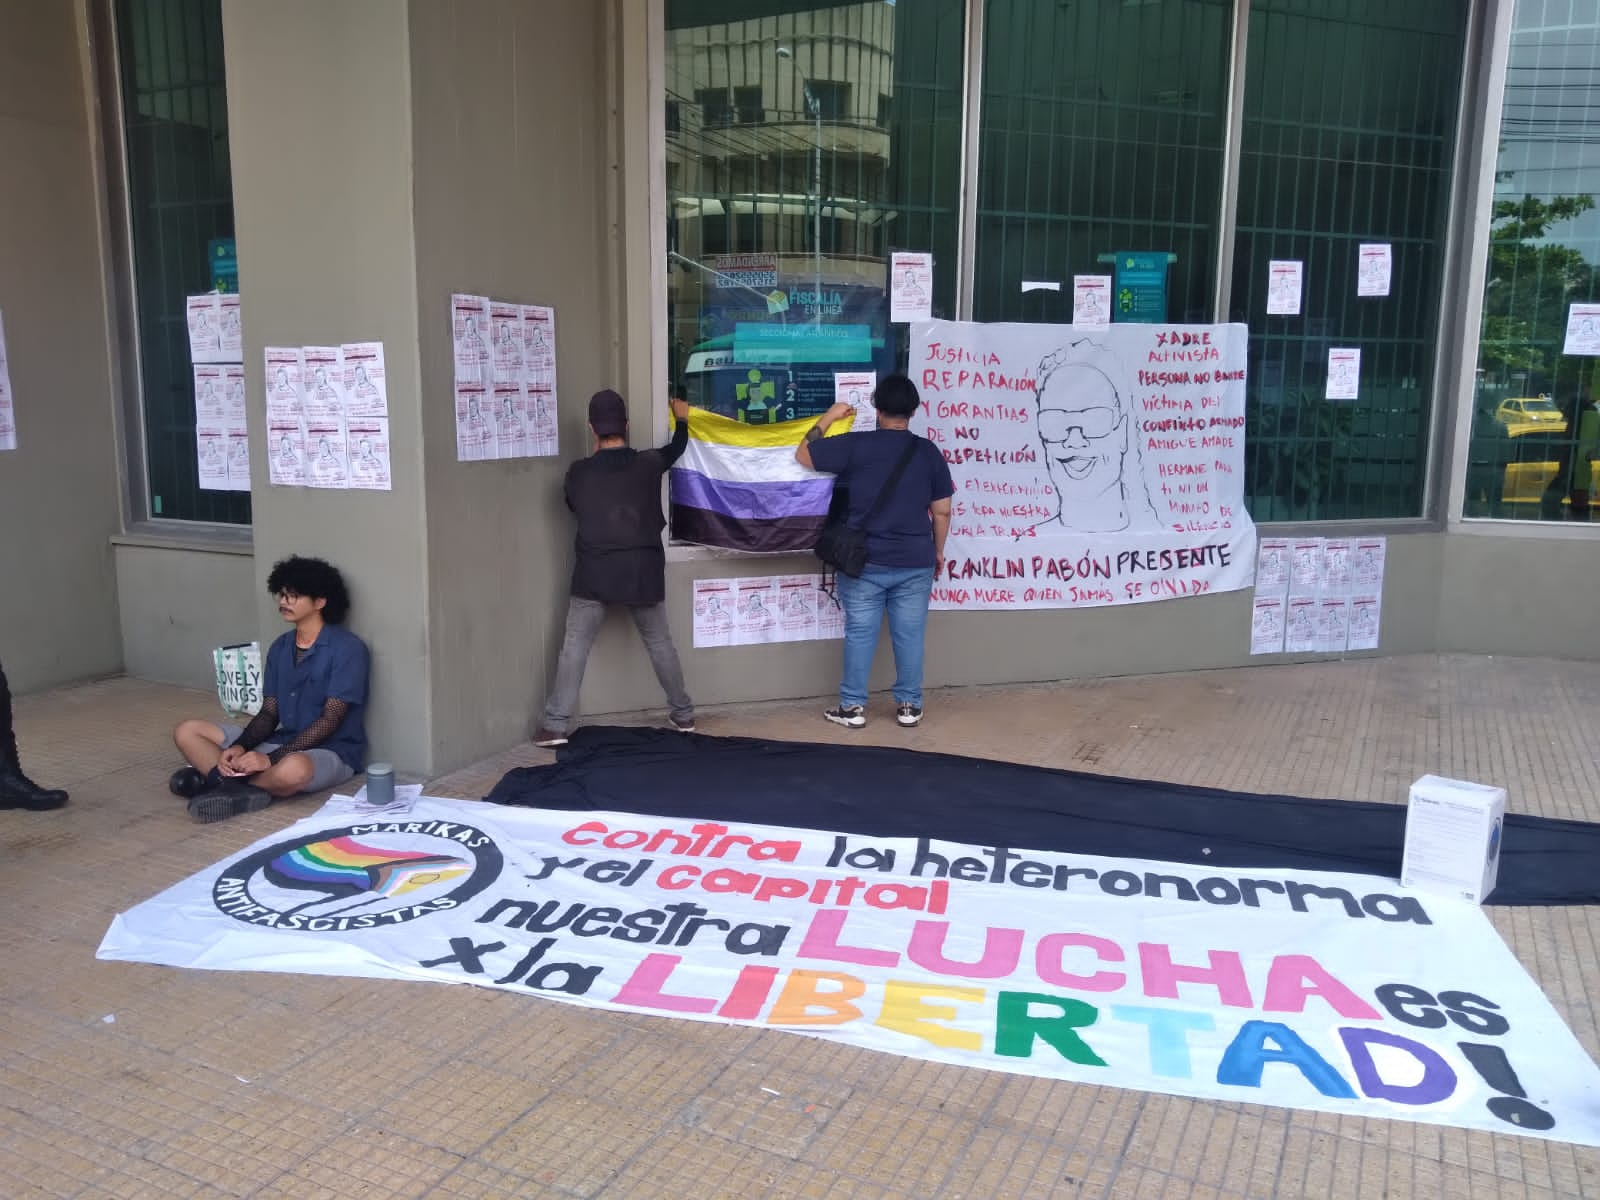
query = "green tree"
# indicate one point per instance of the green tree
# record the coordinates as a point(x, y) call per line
point(1531, 282)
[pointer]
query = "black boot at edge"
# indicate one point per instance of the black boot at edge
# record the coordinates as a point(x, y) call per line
point(18, 791)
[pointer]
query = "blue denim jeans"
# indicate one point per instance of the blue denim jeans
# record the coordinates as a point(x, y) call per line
point(903, 592)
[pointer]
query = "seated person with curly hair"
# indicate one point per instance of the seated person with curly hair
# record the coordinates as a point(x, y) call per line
point(309, 734)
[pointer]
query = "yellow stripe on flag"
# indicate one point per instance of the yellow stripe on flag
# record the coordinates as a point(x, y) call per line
point(725, 431)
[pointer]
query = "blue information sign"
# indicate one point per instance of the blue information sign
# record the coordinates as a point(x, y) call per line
point(223, 259)
point(1140, 286)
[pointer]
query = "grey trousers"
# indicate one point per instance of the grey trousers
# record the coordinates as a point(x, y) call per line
point(584, 618)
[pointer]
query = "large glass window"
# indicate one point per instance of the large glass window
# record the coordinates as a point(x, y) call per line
point(805, 142)
point(1349, 123)
point(180, 200)
point(1535, 429)
point(1102, 131)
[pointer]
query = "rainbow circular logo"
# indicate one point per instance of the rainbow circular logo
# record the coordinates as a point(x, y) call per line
point(365, 876)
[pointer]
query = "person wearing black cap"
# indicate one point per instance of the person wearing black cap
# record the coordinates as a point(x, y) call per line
point(16, 789)
point(616, 496)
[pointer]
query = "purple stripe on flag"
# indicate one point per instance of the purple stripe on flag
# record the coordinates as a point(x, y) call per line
point(751, 501)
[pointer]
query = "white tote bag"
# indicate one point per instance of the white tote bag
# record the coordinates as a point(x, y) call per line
point(239, 678)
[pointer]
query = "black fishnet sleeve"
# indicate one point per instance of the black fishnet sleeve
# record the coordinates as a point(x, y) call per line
point(262, 726)
point(314, 734)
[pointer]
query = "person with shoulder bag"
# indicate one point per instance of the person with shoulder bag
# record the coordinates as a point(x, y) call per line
point(888, 543)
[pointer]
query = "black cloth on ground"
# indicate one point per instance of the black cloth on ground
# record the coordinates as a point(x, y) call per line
point(880, 791)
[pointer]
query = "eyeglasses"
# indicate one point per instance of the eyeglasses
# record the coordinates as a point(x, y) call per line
point(1057, 424)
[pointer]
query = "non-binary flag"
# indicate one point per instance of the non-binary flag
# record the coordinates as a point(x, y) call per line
point(738, 486)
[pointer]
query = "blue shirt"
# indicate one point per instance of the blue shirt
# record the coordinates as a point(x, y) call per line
point(901, 535)
point(335, 668)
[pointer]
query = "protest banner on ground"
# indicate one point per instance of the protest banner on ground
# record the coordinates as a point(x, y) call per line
point(1338, 993)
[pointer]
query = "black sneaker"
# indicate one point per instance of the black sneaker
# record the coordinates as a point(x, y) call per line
point(908, 715)
point(851, 716)
point(229, 800)
point(681, 725)
point(187, 782)
point(549, 737)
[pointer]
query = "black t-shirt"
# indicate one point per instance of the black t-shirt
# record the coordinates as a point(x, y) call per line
point(616, 495)
point(901, 535)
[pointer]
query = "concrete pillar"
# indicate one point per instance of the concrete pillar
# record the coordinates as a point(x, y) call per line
point(319, 106)
point(385, 155)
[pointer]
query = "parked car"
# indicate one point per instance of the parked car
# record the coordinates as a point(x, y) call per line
point(1528, 410)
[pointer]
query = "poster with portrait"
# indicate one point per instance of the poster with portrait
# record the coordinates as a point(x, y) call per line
point(1091, 467)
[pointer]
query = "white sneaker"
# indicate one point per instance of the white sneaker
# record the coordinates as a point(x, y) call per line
point(850, 716)
point(908, 715)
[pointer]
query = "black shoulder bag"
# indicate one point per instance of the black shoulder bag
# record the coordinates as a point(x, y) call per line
point(841, 545)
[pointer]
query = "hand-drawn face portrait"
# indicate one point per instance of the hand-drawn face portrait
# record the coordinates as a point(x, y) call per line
point(1083, 430)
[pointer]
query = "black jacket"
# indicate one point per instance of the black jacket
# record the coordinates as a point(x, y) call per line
point(616, 495)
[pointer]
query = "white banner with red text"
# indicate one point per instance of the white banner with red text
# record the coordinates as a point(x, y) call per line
point(1092, 466)
point(1339, 993)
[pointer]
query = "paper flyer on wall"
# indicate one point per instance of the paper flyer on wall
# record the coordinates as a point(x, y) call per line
point(474, 434)
point(756, 615)
point(855, 389)
point(505, 329)
point(204, 315)
point(797, 608)
point(1273, 562)
point(1305, 571)
point(211, 457)
point(1337, 566)
point(1344, 373)
point(1367, 563)
point(539, 376)
point(469, 323)
point(1285, 278)
point(8, 415)
point(510, 422)
point(230, 328)
point(323, 390)
point(234, 407)
point(1300, 625)
point(1091, 300)
point(238, 441)
point(1266, 625)
point(505, 379)
point(1583, 330)
point(910, 286)
point(284, 372)
point(366, 381)
point(1374, 269)
point(713, 612)
point(368, 441)
point(1366, 614)
point(1333, 623)
point(210, 394)
point(1341, 577)
point(286, 452)
point(779, 608)
point(543, 436)
point(327, 464)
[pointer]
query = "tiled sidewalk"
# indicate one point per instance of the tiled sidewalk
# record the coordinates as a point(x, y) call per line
point(129, 1081)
